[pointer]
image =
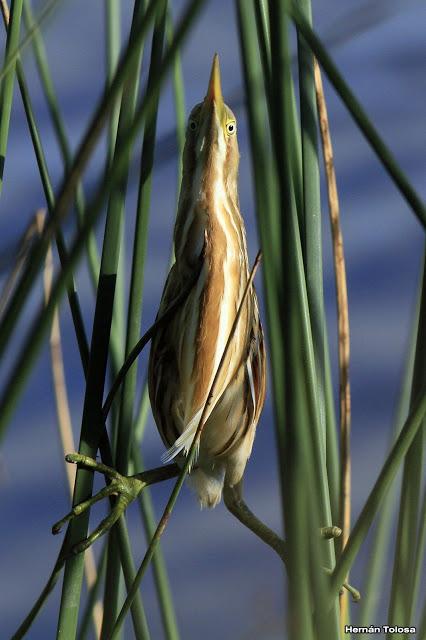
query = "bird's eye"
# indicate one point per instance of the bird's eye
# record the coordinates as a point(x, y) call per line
point(192, 125)
point(231, 128)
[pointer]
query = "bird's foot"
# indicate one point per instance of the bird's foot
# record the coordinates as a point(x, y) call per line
point(126, 488)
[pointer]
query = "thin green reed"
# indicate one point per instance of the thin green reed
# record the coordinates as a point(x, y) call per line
point(179, 101)
point(312, 209)
point(113, 38)
point(8, 82)
point(112, 11)
point(112, 58)
point(86, 617)
point(159, 568)
point(116, 206)
point(268, 221)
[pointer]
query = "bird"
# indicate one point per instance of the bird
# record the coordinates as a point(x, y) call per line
point(185, 353)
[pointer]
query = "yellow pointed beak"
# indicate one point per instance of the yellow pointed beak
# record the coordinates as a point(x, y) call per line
point(214, 91)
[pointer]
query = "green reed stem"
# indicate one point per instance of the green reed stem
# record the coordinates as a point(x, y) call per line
point(8, 82)
point(179, 101)
point(312, 209)
point(116, 204)
point(113, 42)
point(140, 624)
point(113, 580)
point(161, 580)
point(331, 446)
point(86, 617)
point(265, 193)
point(91, 421)
point(113, 38)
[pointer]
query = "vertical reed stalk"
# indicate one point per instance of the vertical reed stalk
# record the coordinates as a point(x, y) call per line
point(343, 332)
point(64, 418)
point(8, 82)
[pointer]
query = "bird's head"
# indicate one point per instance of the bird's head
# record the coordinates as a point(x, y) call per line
point(211, 149)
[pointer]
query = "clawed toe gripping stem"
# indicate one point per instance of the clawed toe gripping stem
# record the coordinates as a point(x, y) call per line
point(126, 488)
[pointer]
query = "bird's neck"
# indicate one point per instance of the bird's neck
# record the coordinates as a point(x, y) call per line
point(209, 221)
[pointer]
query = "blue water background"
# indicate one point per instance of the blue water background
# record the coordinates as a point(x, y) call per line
point(226, 584)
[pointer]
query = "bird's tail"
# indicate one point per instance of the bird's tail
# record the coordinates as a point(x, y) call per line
point(208, 485)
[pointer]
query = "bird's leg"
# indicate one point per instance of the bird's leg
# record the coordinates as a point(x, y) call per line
point(233, 498)
point(127, 488)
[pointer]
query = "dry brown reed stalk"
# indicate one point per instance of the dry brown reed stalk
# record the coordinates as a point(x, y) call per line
point(5, 11)
point(343, 328)
point(63, 413)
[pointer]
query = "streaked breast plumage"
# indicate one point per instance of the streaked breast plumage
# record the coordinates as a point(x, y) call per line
point(186, 353)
